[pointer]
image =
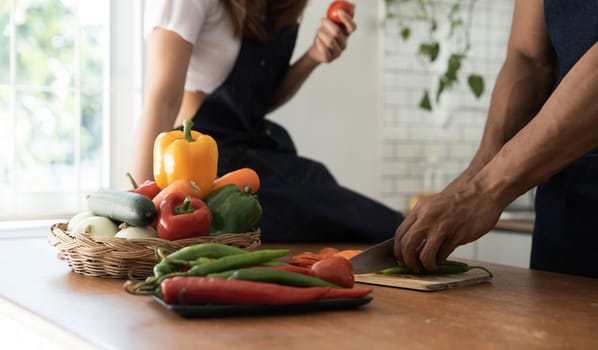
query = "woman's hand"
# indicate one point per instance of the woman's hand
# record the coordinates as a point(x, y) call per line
point(331, 39)
point(330, 42)
point(440, 223)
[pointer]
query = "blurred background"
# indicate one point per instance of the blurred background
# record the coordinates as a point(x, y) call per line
point(398, 116)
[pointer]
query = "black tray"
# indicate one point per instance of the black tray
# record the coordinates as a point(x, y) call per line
point(214, 310)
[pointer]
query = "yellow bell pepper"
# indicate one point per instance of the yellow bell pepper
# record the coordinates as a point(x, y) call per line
point(186, 154)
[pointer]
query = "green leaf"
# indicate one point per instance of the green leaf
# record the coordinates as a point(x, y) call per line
point(430, 50)
point(425, 103)
point(454, 64)
point(449, 78)
point(405, 33)
point(476, 84)
point(441, 85)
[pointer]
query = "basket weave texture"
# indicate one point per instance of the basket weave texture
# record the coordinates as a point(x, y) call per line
point(122, 258)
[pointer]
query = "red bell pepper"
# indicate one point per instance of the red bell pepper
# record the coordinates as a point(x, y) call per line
point(149, 188)
point(183, 216)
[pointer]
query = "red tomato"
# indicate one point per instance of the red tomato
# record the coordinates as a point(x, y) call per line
point(335, 269)
point(334, 8)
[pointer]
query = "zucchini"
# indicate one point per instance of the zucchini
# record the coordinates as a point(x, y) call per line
point(133, 208)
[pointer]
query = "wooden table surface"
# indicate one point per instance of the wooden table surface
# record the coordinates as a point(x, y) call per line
point(518, 309)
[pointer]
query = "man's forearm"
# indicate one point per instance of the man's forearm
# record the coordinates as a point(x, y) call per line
point(521, 88)
point(564, 130)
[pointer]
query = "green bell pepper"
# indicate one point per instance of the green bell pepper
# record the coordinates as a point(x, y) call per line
point(233, 210)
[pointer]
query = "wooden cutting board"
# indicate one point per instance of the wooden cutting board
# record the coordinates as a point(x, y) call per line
point(425, 283)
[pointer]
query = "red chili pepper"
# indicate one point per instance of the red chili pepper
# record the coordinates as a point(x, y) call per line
point(200, 290)
point(183, 216)
point(149, 188)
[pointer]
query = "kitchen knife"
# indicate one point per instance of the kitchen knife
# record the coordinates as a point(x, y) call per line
point(374, 258)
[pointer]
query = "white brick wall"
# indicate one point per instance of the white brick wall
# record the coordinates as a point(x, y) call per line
point(410, 135)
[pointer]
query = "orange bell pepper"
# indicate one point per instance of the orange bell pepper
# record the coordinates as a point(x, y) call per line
point(186, 154)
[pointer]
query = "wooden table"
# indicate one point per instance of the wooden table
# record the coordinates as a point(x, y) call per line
point(518, 309)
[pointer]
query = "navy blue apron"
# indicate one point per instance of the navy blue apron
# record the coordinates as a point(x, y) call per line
point(301, 200)
point(565, 235)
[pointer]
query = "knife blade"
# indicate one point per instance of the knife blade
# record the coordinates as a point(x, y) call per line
point(374, 258)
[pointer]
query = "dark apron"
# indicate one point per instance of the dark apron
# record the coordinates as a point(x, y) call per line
point(301, 200)
point(566, 230)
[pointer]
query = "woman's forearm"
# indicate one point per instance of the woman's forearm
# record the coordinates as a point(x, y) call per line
point(293, 80)
point(168, 57)
point(329, 43)
point(151, 124)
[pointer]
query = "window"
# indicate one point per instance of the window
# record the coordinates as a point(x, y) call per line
point(57, 114)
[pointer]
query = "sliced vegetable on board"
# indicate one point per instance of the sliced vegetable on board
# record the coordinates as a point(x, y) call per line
point(448, 267)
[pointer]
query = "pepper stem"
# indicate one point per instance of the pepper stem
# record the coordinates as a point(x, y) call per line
point(187, 124)
point(133, 183)
point(185, 208)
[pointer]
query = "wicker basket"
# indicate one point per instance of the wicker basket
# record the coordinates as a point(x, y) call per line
point(123, 258)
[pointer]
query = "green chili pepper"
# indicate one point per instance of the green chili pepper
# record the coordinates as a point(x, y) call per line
point(189, 255)
point(236, 261)
point(162, 268)
point(208, 250)
point(274, 263)
point(448, 267)
point(233, 210)
point(225, 263)
point(261, 274)
point(202, 260)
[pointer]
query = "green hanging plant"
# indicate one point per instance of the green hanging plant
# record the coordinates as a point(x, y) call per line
point(407, 13)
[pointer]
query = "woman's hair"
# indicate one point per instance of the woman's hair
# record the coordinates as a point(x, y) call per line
point(249, 16)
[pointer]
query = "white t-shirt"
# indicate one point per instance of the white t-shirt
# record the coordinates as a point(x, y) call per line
point(206, 25)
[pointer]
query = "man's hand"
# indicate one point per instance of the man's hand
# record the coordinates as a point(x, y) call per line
point(440, 223)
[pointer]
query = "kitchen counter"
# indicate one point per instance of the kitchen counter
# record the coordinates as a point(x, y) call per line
point(523, 226)
point(519, 308)
point(516, 221)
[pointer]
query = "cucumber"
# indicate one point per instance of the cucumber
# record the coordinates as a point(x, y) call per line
point(130, 207)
